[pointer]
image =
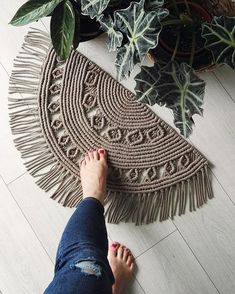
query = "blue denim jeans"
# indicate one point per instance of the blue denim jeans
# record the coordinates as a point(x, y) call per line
point(81, 260)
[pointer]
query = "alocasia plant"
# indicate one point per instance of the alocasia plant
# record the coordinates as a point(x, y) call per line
point(93, 8)
point(141, 28)
point(177, 87)
point(133, 30)
point(220, 39)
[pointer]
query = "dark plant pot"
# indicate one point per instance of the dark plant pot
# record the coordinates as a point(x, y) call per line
point(90, 28)
point(167, 40)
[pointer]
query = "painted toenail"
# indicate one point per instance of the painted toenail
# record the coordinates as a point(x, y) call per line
point(114, 245)
point(101, 151)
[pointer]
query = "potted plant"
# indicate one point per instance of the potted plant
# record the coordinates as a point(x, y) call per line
point(182, 37)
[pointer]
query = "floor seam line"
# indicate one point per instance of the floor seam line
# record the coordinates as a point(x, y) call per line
point(29, 223)
point(156, 243)
point(196, 258)
point(12, 181)
point(217, 78)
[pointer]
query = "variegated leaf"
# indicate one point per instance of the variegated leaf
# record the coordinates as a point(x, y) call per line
point(141, 29)
point(33, 10)
point(93, 8)
point(153, 4)
point(220, 39)
point(183, 121)
point(62, 29)
point(146, 84)
point(114, 37)
point(178, 88)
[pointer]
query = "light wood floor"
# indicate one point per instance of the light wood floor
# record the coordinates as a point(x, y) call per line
point(194, 253)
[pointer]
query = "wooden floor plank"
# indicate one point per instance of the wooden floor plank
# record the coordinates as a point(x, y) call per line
point(170, 267)
point(214, 134)
point(12, 37)
point(226, 76)
point(9, 169)
point(25, 267)
point(210, 233)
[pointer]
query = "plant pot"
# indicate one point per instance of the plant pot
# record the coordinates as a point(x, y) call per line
point(90, 28)
point(183, 31)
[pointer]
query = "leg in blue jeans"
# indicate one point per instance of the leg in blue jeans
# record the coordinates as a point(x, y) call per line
point(82, 266)
point(81, 262)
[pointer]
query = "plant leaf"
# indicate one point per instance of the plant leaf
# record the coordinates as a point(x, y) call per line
point(62, 29)
point(114, 37)
point(33, 10)
point(220, 39)
point(141, 29)
point(93, 8)
point(183, 121)
point(177, 87)
point(77, 37)
point(153, 4)
point(146, 84)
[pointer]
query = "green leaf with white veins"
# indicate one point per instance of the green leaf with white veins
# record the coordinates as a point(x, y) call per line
point(180, 89)
point(141, 29)
point(146, 84)
point(33, 10)
point(177, 87)
point(220, 39)
point(114, 37)
point(93, 8)
point(153, 4)
point(62, 29)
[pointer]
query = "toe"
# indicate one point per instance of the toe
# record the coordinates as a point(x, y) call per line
point(120, 252)
point(87, 159)
point(132, 266)
point(82, 163)
point(90, 154)
point(130, 260)
point(96, 155)
point(113, 247)
point(125, 254)
point(102, 154)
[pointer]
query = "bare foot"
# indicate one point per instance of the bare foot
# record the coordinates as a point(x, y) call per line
point(93, 172)
point(122, 264)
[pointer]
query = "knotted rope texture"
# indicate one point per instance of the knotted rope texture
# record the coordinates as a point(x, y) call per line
point(62, 109)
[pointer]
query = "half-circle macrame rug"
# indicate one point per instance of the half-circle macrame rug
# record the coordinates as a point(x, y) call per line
point(69, 107)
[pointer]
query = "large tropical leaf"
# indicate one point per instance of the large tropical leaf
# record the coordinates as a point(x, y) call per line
point(93, 8)
point(33, 10)
point(62, 29)
point(77, 32)
point(146, 84)
point(220, 39)
point(153, 4)
point(141, 30)
point(177, 87)
point(114, 36)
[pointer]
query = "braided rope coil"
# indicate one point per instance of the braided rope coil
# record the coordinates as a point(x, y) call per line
point(69, 107)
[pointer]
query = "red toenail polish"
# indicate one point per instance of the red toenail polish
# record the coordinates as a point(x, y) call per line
point(114, 245)
point(102, 151)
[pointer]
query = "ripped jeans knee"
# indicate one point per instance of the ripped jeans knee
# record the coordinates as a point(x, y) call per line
point(89, 268)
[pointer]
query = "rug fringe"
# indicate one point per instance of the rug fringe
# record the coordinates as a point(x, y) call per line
point(25, 122)
point(162, 204)
point(52, 175)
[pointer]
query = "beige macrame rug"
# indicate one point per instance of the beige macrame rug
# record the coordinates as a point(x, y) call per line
point(64, 109)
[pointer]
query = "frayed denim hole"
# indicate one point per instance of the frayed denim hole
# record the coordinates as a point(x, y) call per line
point(89, 268)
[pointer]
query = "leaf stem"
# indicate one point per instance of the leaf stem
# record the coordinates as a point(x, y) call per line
point(171, 22)
point(176, 7)
point(176, 45)
point(187, 7)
